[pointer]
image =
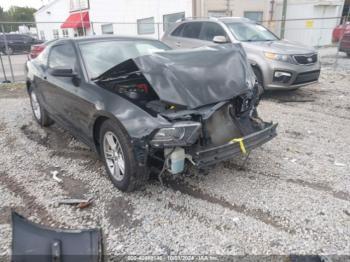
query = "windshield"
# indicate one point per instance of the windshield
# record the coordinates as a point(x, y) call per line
point(103, 55)
point(249, 32)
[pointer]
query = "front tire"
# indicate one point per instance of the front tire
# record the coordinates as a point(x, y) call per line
point(40, 114)
point(118, 157)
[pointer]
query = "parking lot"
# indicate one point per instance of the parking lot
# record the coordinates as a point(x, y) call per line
point(292, 196)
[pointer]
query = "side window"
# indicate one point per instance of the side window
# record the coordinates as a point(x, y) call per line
point(62, 56)
point(11, 37)
point(42, 57)
point(210, 30)
point(178, 30)
point(192, 30)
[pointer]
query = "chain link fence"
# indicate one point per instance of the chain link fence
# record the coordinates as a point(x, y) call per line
point(317, 32)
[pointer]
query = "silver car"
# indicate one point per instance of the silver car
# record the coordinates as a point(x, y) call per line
point(278, 64)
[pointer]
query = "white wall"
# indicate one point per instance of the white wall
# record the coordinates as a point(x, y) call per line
point(56, 11)
point(128, 11)
point(310, 31)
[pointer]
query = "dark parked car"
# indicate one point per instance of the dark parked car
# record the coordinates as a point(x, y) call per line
point(17, 43)
point(344, 45)
point(143, 107)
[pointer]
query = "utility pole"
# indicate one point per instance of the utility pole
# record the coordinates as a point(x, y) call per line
point(284, 14)
point(228, 13)
point(81, 19)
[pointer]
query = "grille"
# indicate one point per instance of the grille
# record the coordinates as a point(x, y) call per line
point(306, 59)
point(307, 77)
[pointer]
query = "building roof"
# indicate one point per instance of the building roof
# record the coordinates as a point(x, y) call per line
point(44, 7)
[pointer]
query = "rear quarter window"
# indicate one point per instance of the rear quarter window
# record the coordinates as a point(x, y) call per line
point(178, 30)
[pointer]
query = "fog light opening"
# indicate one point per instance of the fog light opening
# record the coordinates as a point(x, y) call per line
point(282, 77)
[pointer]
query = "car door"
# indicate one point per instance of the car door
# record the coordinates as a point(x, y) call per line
point(60, 92)
point(14, 42)
point(70, 97)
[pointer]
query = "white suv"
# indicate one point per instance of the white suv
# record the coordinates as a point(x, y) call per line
point(278, 64)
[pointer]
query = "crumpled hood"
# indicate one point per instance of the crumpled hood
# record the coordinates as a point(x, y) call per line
point(192, 78)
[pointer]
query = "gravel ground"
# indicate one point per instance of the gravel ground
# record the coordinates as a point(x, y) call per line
point(292, 196)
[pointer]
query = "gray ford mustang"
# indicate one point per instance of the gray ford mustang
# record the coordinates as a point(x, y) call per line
point(144, 107)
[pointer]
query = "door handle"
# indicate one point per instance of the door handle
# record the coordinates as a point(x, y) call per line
point(178, 44)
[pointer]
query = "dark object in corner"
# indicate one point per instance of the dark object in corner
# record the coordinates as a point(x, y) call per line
point(33, 242)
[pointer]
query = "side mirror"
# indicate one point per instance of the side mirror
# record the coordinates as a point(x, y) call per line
point(63, 72)
point(220, 39)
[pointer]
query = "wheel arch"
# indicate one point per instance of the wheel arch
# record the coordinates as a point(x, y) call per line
point(99, 119)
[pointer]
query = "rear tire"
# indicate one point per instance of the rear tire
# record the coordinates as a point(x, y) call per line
point(348, 54)
point(119, 159)
point(40, 114)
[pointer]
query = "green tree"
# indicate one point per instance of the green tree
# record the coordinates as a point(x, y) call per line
point(16, 14)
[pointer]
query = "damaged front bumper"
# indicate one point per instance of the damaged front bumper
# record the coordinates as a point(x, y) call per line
point(211, 156)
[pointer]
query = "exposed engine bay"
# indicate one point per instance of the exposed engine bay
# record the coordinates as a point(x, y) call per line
point(211, 110)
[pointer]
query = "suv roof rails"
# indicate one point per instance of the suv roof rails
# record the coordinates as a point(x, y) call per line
point(214, 18)
point(195, 18)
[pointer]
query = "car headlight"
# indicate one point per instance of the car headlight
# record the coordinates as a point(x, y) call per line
point(278, 57)
point(179, 134)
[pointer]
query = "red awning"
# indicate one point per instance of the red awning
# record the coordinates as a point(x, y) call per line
point(77, 20)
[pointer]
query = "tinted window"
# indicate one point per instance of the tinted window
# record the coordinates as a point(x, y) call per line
point(25, 38)
point(12, 37)
point(178, 30)
point(62, 56)
point(210, 30)
point(102, 55)
point(192, 30)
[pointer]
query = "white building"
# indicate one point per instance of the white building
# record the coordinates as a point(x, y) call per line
point(305, 24)
point(62, 18)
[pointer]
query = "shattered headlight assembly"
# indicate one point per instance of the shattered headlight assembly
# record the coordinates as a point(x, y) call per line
point(182, 133)
point(278, 57)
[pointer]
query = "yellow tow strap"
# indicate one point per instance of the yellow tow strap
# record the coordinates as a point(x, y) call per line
point(241, 144)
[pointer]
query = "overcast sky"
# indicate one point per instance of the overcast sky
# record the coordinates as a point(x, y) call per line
point(30, 3)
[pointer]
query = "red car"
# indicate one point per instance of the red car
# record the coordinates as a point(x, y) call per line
point(345, 43)
point(35, 50)
point(339, 30)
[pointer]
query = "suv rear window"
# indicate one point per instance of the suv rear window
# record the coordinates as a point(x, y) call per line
point(192, 30)
point(178, 30)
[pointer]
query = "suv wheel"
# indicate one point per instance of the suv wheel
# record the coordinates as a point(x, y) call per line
point(40, 114)
point(118, 156)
